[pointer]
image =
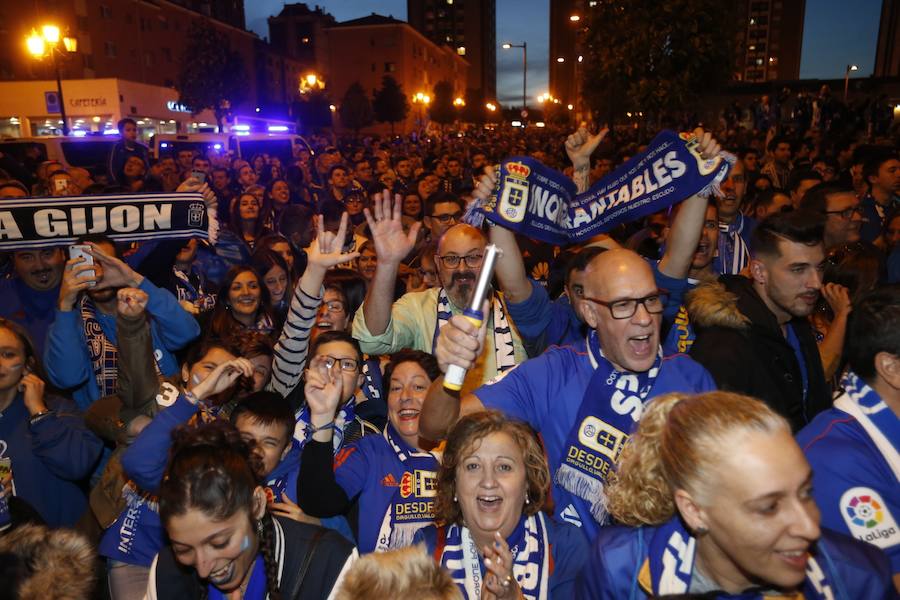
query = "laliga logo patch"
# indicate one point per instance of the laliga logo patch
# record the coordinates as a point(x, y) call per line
point(514, 198)
point(868, 518)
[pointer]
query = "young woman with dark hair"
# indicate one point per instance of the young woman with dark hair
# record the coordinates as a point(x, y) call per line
point(214, 512)
point(243, 303)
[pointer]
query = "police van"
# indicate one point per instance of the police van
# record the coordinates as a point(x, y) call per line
point(89, 152)
point(245, 145)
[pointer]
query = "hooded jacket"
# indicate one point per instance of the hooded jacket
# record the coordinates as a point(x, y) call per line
point(741, 344)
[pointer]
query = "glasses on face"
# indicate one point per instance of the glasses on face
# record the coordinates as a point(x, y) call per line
point(847, 213)
point(348, 365)
point(626, 307)
point(446, 218)
point(451, 261)
point(334, 306)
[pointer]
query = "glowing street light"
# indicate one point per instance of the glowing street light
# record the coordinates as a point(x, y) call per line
point(46, 44)
point(560, 59)
point(847, 79)
point(459, 102)
point(310, 82)
point(574, 18)
point(524, 47)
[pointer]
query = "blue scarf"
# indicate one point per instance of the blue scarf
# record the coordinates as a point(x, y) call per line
point(542, 203)
point(418, 487)
point(529, 545)
point(733, 251)
point(186, 290)
point(345, 416)
point(612, 405)
point(257, 588)
point(104, 354)
point(672, 551)
point(875, 417)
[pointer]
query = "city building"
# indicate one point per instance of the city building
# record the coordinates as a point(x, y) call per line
point(365, 50)
point(139, 41)
point(299, 32)
point(887, 51)
point(769, 43)
point(566, 23)
point(470, 28)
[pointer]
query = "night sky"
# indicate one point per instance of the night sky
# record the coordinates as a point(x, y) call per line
point(836, 33)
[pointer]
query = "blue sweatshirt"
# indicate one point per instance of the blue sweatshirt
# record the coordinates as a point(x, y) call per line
point(34, 310)
point(66, 355)
point(50, 459)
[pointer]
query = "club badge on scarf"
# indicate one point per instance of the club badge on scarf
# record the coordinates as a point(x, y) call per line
point(412, 506)
point(671, 566)
point(31, 223)
point(541, 203)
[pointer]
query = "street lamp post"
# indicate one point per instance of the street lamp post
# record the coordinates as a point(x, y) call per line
point(48, 42)
point(847, 79)
point(524, 47)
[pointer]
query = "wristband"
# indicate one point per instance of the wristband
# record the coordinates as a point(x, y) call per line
point(38, 416)
point(190, 397)
point(313, 430)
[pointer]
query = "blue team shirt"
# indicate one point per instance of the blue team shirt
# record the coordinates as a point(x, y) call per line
point(546, 392)
point(855, 488)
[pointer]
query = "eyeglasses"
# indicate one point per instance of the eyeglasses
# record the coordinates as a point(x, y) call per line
point(334, 306)
point(626, 307)
point(847, 213)
point(451, 261)
point(447, 217)
point(348, 365)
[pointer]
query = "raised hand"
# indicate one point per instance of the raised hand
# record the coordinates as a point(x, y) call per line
point(838, 298)
point(326, 250)
point(77, 276)
point(486, 184)
point(223, 377)
point(499, 581)
point(581, 144)
point(131, 302)
point(460, 343)
point(323, 390)
point(708, 147)
point(115, 273)
point(392, 245)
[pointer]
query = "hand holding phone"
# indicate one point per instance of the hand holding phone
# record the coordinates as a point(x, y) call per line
point(80, 250)
point(198, 175)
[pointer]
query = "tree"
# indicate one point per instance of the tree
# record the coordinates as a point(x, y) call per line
point(442, 110)
point(390, 103)
point(356, 110)
point(212, 74)
point(313, 111)
point(656, 57)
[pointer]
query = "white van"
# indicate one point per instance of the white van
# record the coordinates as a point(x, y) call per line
point(91, 153)
point(244, 146)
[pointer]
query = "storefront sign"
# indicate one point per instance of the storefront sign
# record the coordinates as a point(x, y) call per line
point(177, 107)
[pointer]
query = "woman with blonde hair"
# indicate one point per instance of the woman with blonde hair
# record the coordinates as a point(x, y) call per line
point(718, 496)
point(403, 573)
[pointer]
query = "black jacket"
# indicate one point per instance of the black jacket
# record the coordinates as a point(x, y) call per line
point(741, 344)
point(293, 542)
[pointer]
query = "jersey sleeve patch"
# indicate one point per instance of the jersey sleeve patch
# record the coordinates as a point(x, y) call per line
point(868, 518)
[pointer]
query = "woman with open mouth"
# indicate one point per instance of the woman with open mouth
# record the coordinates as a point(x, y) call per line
point(243, 304)
point(388, 479)
point(494, 536)
point(719, 497)
point(223, 542)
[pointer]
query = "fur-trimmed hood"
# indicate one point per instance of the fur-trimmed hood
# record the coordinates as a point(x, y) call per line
point(710, 304)
point(53, 564)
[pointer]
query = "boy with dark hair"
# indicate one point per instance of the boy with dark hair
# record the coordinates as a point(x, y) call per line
point(127, 146)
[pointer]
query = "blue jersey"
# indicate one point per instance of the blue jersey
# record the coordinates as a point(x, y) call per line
point(855, 488)
point(546, 392)
point(617, 568)
point(371, 470)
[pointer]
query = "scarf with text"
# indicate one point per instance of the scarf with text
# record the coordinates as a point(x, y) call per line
point(26, 223)
point(412, 506)
point(672, 551)
point(529, 544)
point(104, 354)
point(345, 416)
point(504, 351)
point(611, 406)
point(541, 203)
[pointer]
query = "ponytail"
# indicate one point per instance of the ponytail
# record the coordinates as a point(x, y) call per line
point(270, 560)
point(638, 492)
point(678, 445)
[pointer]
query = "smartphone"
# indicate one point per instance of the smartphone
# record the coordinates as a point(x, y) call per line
point(81, 250)
point(198, 175)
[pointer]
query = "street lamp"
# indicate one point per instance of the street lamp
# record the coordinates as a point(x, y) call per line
point(311, 82)
point(524, 47)
point(422, 100)
point(847, 79)
point(47, 44)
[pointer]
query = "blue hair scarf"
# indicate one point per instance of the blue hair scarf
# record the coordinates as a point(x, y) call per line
point(541, 203)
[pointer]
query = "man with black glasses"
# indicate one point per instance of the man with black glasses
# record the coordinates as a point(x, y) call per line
point(443, 210)
point(585, 398)
point(840, 208)
point(383, 326)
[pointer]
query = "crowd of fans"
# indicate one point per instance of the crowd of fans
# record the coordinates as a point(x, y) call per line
point(702, 403)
